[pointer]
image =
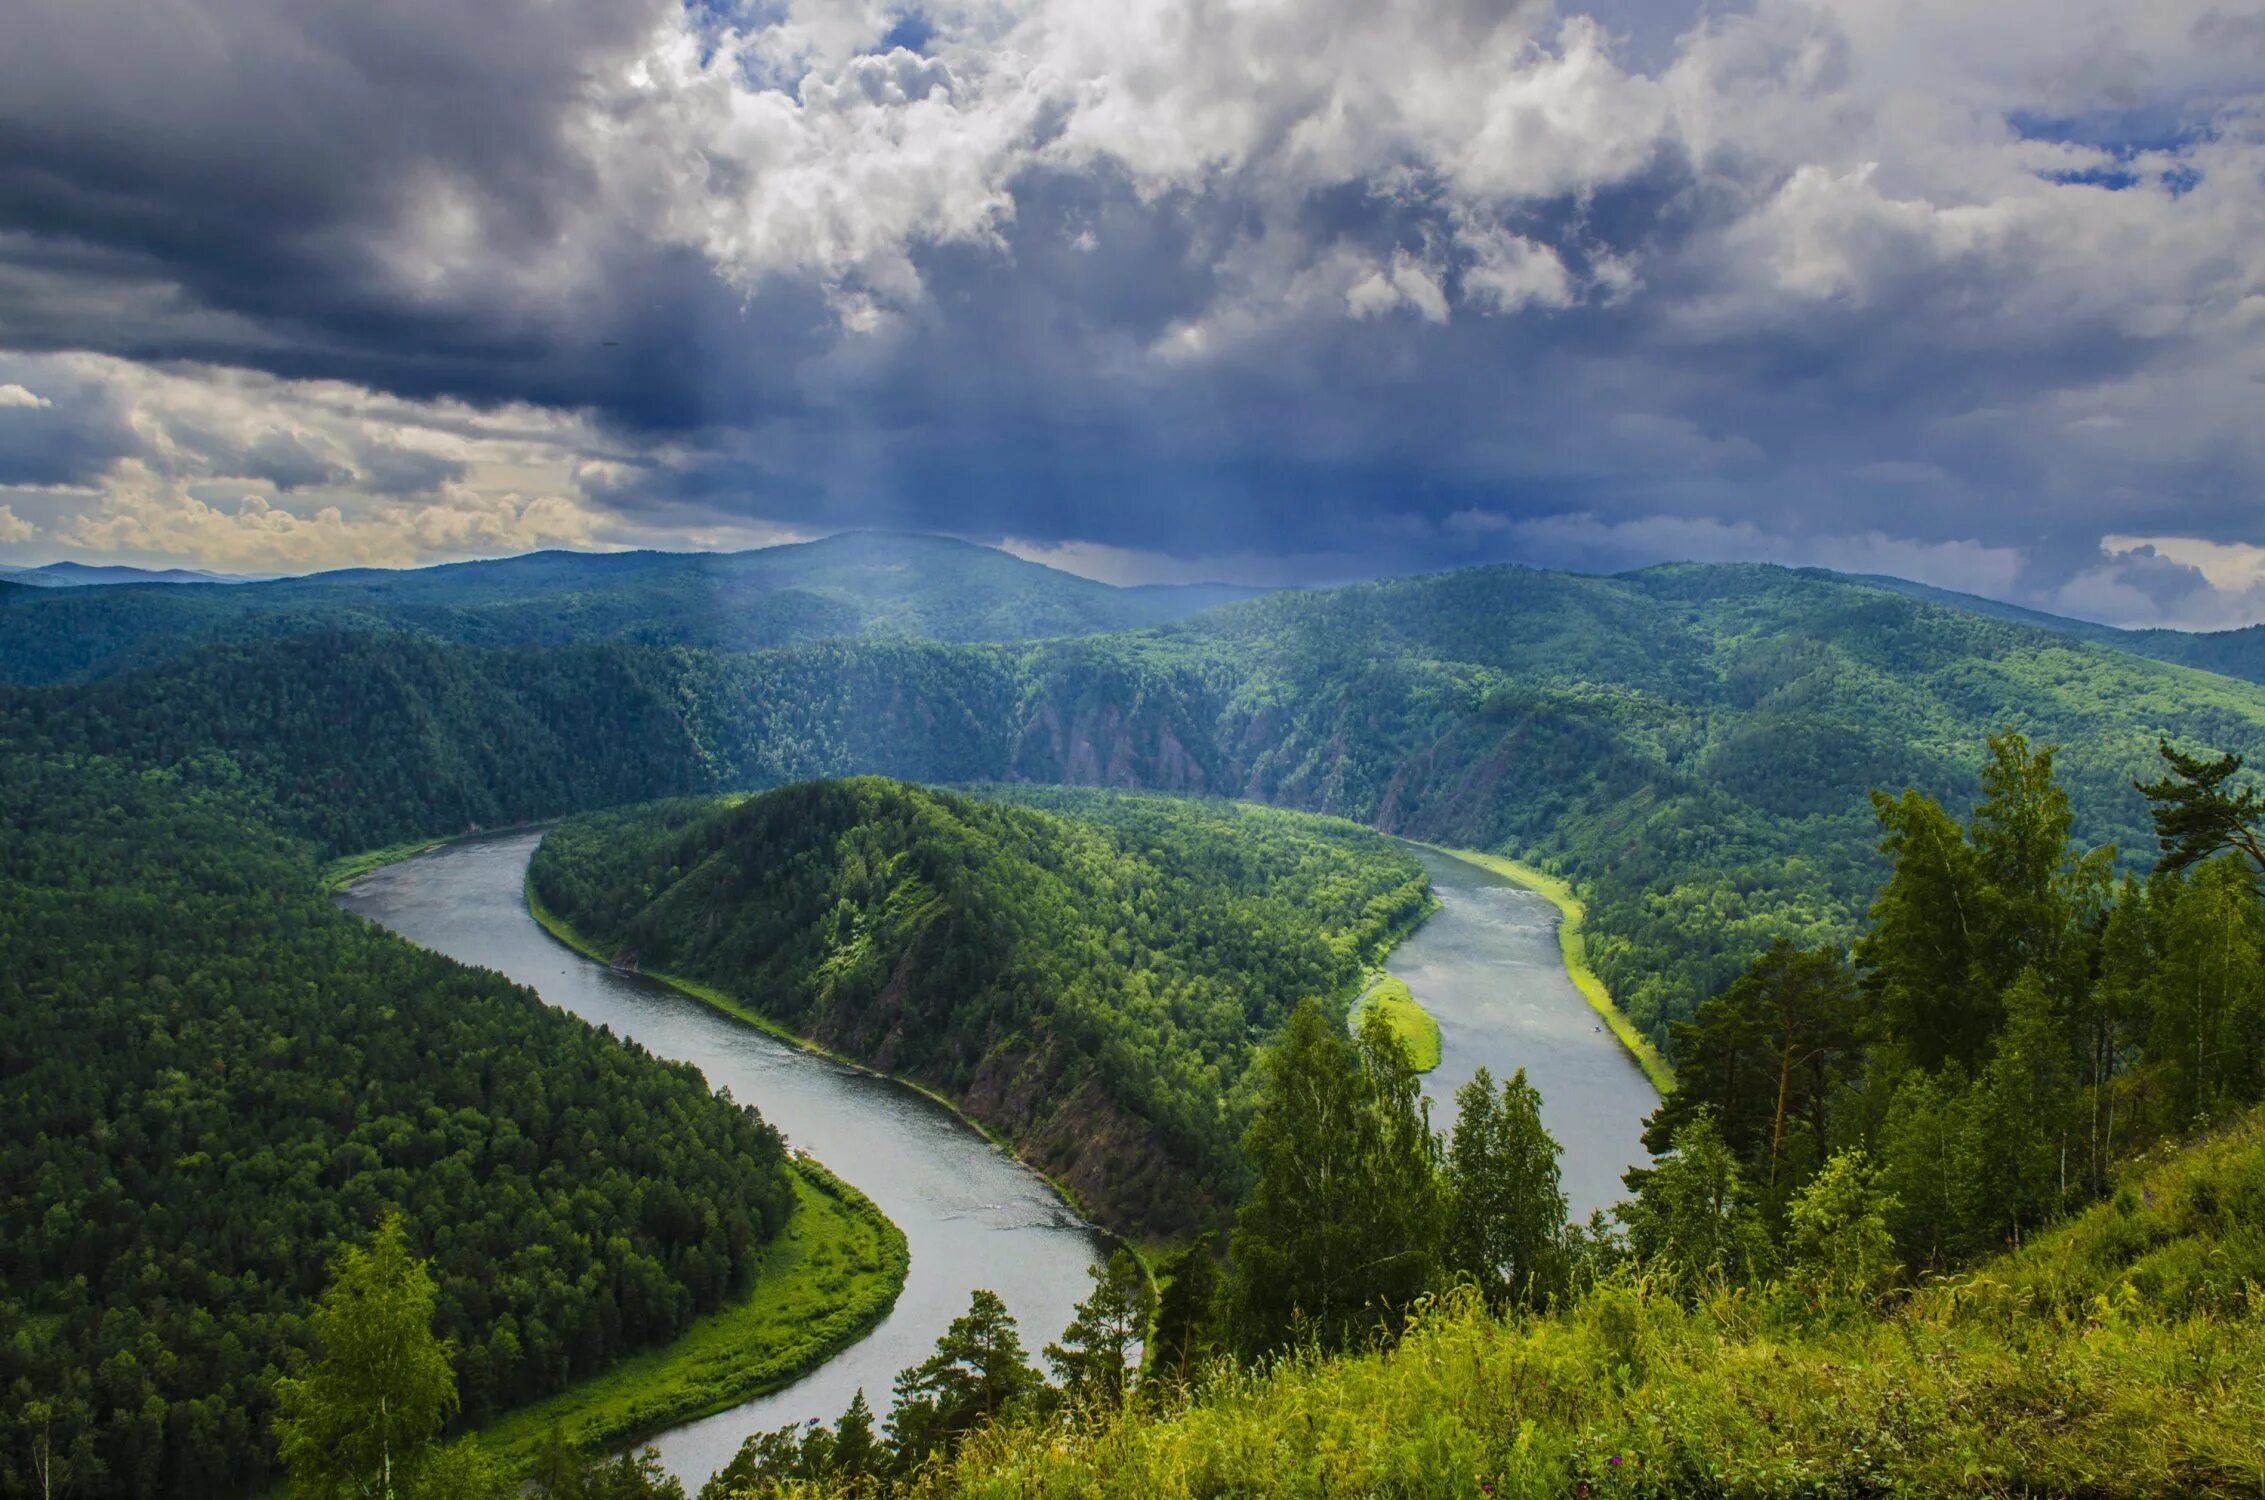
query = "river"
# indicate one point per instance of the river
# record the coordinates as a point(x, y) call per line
point(1485, 963)
point(1486, 966)
point(972, 1215)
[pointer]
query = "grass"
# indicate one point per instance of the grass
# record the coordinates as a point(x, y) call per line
point(1410, 1022)
point(347, 869)
point(833, 1273)
point(1573, 948)
point(2122, 1354)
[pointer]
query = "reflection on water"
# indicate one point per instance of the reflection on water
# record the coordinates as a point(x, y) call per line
point(1485, 964)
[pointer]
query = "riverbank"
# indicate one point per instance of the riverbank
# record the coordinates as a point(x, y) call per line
point(832, 1274)
point(719, 1000)
point(1416, 1027)
point(1573, 949)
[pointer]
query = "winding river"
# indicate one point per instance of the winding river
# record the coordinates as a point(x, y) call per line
point(1486, 966)
point(1485, 963)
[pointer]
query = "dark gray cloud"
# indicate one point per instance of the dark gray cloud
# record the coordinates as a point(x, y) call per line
point(1927, 289)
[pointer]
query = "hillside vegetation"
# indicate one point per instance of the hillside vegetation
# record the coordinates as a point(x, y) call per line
point(1088, 974)
point(2121, 1355)
point(1691, 746)
point(1893, 1239)
point(211, 1079)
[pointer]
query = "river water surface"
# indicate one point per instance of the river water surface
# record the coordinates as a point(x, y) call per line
point(1486, 966)
point(972, 1215)
point(1485, 963)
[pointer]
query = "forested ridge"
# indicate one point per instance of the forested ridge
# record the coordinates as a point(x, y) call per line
point(211, 1079)
point(1973, 1205)
point(1088, 973)
point(872, 584)
point(1972, 1020)
point(1691, 745)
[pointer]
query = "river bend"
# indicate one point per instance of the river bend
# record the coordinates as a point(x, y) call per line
point(1486, 964)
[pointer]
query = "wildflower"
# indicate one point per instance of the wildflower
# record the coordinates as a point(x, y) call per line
point(1614, 1460)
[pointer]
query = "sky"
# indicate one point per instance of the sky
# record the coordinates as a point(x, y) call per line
point(1155, 290)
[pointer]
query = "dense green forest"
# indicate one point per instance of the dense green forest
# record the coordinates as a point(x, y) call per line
point(856, 584)
point(1914, 1036)
point(1089, 974)
point(210, 1079)
point(1922, 1219)
point(1691, 745)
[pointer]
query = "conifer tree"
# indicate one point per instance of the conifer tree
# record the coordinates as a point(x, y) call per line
point(857, 1452)
point(978, 1370)
point(1187, 1314)
point(2196, 816)
point(1097, 1348)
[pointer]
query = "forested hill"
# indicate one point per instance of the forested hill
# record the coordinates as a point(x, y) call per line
point(1693, 745)
point(211, 1079)
point(2234, 653)
point(859, 584)
point(1090, 976)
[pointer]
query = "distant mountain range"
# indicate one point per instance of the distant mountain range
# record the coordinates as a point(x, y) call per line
point(856, 585)
point(1693, 744)
point(64, 575)
point(2233, 653)
point(862, 585)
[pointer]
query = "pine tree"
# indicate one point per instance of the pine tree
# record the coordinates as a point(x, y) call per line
point(1098, 1347)
point(1507, 1208)
point(857, 1453)
point(361, 1420)
point(2196, 817)
point(1765, 1058)
point(1187, 1314)
point(978, 1370)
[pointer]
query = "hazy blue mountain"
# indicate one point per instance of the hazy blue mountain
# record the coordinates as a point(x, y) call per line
point(82, 575)
point(859, 584)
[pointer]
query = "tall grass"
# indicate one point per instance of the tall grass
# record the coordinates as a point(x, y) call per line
point(2121, 1355)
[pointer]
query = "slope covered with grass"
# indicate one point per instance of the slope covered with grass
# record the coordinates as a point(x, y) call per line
point(2120, 1355)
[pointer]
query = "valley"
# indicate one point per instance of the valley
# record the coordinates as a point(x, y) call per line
point(1007, 871)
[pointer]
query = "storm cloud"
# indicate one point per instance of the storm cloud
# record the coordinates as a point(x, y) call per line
point(1282, 290)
